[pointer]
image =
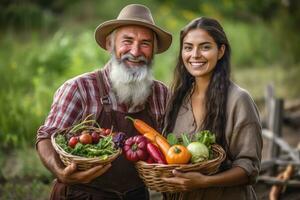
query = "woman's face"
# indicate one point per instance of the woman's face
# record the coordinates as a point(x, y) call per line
point(200, 53)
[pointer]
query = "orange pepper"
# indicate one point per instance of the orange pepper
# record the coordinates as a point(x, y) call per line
point(163, 144)
point(150, 137)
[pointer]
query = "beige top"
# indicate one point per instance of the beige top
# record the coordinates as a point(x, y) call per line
point(243, 134)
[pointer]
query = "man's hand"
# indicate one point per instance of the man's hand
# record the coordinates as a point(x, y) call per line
point(70, 175)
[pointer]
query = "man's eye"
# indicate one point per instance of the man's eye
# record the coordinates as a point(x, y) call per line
point(146, 44)
point(127, 41)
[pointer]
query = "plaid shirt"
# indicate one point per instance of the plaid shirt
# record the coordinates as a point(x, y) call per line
point(79, 97)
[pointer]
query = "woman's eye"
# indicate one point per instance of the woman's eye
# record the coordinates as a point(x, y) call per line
point(187, 48)
point(205, 47)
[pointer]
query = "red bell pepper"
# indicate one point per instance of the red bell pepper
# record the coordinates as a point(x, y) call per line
point(156, 154)
point(135, 148)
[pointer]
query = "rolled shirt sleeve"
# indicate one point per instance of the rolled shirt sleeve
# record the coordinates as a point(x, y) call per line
point(245, 135)
point(65, 110)
point(247, 150)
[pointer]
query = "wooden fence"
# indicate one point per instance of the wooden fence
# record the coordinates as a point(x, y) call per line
point(280, 155)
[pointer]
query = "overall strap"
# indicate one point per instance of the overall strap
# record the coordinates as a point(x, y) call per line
point(105, 102)
point(107, 105)
point(152, 116)
point(104, 98)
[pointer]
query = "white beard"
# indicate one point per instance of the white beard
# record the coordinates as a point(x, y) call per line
point(132, 85)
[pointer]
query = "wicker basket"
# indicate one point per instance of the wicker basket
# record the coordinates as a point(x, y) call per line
point(81, 162)
point(151, 174)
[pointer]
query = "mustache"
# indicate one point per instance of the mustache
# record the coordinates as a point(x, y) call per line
point(130, 57)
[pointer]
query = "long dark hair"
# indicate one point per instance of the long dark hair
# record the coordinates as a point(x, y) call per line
point(216, 94)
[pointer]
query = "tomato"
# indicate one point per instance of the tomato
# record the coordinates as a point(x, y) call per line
point(73, 141)
point(178, 154)
point(104, 132)
point(85, 138)
point(107, 131)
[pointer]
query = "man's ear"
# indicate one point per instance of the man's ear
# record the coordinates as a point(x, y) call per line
point(221, 51)
point(108, 44)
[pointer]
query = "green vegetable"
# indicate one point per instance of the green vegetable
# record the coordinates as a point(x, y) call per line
point(84, 124)
point(172, 139)
point(63, 143)
point(199, 152)
point(185, 139)
point(104, 148)
point(206, 137)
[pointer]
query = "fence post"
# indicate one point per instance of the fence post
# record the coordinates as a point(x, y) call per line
point(274, 108)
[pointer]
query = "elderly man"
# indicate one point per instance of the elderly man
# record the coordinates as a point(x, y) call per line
point(124, 86)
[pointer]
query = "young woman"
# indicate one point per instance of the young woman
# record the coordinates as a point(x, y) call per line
point(204, 98)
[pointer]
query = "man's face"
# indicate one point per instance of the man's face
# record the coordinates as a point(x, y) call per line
point(134, 45)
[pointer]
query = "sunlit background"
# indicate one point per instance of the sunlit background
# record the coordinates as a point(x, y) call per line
point(45, 42)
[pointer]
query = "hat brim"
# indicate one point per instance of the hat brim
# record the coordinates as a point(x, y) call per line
point(164, 39)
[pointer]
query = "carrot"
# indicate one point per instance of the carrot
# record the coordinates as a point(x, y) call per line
point(142, 127)
point(151, 134)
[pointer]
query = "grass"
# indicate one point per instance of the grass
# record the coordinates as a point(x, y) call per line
point(25, 190)
point(23, 176)
point(23, 162)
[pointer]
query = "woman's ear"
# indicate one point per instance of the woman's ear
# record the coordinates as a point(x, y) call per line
point(221, 51)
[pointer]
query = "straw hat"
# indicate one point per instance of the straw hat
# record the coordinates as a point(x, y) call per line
point(134, 14)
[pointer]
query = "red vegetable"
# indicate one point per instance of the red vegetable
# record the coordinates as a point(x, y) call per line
point(95, 137)
point(107, 131)
point(73, 141)
point(151, 134)
point(150, 160)
point(135, 148)
point(156, 154)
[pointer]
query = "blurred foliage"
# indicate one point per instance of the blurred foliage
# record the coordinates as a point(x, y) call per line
point(281, 18)
point(242, 10)
point(43, 43)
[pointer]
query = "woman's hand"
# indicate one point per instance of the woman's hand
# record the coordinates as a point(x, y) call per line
point(187, 181)
point(70, 175)
point(195, 180)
